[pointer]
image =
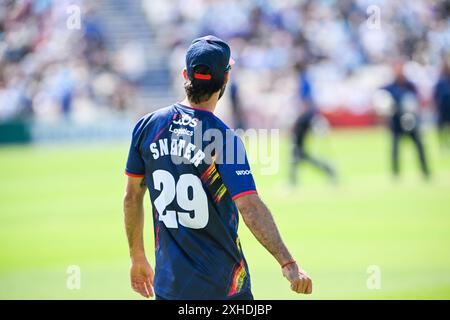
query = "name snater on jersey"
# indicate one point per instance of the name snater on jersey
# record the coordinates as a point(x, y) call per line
point(178, 147)
point(197, 250)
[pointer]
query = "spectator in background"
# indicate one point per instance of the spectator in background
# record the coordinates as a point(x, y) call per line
point(442, 103)
point(302, 128)
point(236, 106)
point(49, 72)
point(404, 120)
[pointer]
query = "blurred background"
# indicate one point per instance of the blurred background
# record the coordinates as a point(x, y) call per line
point(346, 83)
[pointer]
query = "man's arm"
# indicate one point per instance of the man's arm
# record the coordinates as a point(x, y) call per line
point(141, 273)
point(259, 220)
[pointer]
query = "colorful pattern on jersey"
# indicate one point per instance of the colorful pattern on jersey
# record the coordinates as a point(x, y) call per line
point(210, 176)
point(197, 250)
point(220, 193)
point(239, 276)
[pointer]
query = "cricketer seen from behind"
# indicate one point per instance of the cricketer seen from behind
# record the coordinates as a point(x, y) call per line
point(196, 171)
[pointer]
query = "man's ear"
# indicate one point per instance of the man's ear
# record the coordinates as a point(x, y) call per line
point(227, 77)
point(185, 76)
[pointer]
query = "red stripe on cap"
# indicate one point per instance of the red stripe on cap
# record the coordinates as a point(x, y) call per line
point(202, 76)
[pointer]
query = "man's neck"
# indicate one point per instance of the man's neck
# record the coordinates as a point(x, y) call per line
point(209, 105)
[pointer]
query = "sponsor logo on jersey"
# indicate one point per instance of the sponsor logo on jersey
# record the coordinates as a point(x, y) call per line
point(186, 120)
point(181, 131)
point(243, 172)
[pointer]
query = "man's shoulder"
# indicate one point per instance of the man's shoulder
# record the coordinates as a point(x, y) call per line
point(219, 124)
point(152, 120)
point(159, 114)
point(163, 112)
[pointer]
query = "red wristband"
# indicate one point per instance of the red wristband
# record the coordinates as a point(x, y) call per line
point(287, 263)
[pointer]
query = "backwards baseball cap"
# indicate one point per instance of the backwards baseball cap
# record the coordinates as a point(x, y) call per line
point(211, 52)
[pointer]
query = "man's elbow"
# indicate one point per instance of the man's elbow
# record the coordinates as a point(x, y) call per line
point(131, 200)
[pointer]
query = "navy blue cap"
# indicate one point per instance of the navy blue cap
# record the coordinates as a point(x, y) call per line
point(209, 51)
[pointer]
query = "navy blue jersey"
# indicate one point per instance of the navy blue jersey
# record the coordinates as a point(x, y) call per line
point(194, 167)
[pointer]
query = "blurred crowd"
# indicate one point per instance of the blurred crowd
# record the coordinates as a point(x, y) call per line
point(345, 45)
point(50, 70)
point(54, 63)
point(346, 33)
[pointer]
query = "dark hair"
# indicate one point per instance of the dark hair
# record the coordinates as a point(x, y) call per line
point(199, 90)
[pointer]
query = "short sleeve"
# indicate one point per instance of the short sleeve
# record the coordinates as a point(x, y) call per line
point(234, 168)
point(135, 166)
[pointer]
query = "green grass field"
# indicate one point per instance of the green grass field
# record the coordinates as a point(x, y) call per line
point(62, 206)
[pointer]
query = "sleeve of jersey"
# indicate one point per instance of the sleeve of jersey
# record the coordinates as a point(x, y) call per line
point(135, 164)
point(235, 170)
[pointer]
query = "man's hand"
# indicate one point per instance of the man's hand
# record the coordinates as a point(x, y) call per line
point(141, 276)
point(260, 222)
point(300, 281)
